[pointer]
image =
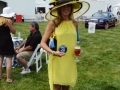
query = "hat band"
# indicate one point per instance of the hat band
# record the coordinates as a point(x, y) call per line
point(63, 1)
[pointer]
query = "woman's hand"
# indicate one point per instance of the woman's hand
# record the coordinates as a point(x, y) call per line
point(80, 52)
point(58, 53)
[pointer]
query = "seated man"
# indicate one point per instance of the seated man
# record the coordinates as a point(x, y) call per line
point(29, 46)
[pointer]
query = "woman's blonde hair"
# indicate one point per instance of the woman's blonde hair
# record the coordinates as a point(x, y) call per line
point(59, 19)
point(4, 21)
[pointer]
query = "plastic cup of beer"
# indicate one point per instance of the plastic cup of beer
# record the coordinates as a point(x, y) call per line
point(77, 51)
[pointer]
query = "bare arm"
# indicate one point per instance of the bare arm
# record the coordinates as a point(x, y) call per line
point(11, 26)
point(21, 45)
point(12, 29)
point(46, 36)
point(76, 25)
point(28, 48)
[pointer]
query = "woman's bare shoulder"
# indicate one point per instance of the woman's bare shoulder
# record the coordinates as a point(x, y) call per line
point(50, 26)
point(51, 23)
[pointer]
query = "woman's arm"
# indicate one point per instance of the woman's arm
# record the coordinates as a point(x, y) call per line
point(48, 32)
point(49, 29)
point(76, 25)
point(12, 28)
point(10, 24)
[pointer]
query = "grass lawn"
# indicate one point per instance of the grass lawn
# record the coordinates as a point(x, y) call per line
point(98, 69)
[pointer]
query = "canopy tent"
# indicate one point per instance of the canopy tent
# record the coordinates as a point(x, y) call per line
point(116, 8)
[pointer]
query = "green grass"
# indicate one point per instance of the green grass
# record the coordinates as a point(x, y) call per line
point(98, 69)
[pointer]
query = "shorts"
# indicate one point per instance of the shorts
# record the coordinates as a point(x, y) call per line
point(25, 54)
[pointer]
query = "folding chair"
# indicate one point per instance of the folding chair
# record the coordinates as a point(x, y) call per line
point(37, 57)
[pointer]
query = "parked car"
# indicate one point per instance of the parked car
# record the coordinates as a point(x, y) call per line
point(102, 20)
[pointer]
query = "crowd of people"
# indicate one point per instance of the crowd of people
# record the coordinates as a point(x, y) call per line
point(62, 21)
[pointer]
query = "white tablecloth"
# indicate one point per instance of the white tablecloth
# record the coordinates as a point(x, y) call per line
point(17, 41)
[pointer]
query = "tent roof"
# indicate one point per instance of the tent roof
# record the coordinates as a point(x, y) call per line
point(117, 5)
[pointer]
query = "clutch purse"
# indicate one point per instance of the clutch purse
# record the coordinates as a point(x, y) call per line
point(52, 42)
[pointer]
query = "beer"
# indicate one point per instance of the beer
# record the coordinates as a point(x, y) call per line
point(77, 50)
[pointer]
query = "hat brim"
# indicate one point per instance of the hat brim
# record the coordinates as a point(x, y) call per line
point(79, 8)
point(8, 15)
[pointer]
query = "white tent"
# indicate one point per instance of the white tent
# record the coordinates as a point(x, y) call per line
point(116, 8)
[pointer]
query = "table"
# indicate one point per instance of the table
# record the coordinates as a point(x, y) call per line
point(16, 42)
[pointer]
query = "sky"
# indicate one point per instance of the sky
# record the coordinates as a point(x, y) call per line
point(112, 1)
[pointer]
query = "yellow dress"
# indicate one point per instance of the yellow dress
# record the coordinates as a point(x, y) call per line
point(63, 70)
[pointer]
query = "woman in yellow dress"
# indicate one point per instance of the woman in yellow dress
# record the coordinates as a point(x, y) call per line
point(62, 70)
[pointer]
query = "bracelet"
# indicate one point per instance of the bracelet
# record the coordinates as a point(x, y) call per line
point(53, 52)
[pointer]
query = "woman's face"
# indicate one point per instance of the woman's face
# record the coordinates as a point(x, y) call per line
point(66, 10)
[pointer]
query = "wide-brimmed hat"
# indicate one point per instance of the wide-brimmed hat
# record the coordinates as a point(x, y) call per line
point(79, 8)
point(7, 12)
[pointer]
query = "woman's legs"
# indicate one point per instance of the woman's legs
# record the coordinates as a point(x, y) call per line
point(8, 68)
point(57, 87)
point(65, 87)
point(60, 87)
point(1, 61)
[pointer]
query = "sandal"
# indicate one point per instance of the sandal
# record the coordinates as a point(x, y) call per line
point(13, 80)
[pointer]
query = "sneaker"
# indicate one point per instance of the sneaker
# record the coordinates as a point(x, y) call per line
point(25, 71)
